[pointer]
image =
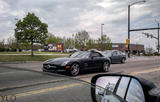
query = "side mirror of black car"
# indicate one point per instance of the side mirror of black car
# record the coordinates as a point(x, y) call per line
point(122, 88)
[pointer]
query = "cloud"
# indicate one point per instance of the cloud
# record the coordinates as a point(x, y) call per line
point(65, 17)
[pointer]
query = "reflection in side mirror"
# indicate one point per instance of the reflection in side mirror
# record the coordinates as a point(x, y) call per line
point(101, 92)
point(119, 88)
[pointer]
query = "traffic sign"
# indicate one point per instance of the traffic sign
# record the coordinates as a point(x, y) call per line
point(127, 41)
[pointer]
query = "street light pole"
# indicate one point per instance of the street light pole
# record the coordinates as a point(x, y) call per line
point(129, 6)
point(102, 35)
point(129, 30)
point(17, 45)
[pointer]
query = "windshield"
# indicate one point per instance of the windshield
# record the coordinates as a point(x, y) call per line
point(107, 53)
point(80, 54)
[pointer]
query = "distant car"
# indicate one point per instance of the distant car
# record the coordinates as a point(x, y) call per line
point(71, 50)
point(115, 56)
point(78, 61)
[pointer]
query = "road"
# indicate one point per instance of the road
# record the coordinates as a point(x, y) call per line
point(29, 84)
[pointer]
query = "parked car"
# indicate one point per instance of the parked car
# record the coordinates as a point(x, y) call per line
point(78, 61)
point(123, 88)
point(115, 56)
point(71, 50)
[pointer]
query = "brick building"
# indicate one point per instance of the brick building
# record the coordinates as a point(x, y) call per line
point(134, 48)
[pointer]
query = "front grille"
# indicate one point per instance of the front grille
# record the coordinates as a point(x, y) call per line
point(50, 66)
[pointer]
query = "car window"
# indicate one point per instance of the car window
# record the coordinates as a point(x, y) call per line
point(122, 87)
point(119, 52)
point(95, 54)
point(114, 53)
point(80, 54)
point(135, 92)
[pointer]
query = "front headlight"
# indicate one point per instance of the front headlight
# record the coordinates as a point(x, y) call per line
point(48, 60)
point(65, 63)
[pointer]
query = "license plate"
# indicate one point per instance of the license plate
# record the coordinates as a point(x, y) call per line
point(53, 67)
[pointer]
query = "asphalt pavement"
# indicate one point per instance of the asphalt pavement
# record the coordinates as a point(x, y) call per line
point(32, 86)
point(29, 84)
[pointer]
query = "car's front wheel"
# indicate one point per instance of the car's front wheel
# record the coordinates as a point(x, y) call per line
point(106, 66)
point(123, 60)
point(74, 69)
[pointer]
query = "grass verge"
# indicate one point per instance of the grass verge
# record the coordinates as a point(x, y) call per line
point(23, 58)
point(35, 52)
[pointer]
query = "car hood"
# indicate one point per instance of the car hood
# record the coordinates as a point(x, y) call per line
point(59, 61)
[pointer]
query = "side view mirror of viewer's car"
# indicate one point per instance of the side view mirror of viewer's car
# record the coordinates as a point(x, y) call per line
point(123, 88)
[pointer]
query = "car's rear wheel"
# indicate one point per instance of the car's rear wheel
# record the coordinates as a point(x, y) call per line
point(106, 66)
point(74, 69)
point(44, 70)
point(123, 60)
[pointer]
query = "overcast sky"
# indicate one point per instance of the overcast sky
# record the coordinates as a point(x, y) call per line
point(66, 17)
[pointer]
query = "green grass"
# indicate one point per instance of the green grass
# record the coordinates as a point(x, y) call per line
point(24, 58)
point(35, 52)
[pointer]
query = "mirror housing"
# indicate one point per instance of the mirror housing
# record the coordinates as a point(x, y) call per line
point(155, 94)
point(146, 86)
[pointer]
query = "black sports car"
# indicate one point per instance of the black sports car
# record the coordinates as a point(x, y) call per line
point(115, 56)
point(81, 60)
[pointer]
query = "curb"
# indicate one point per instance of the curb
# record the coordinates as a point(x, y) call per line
point(19, 62)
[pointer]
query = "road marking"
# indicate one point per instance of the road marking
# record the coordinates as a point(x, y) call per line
point(32, 84)
point(47, 90)
point(146, 71)
point(6, 73)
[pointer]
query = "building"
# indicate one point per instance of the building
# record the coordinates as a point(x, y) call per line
point(134, 48)
point(54, 47)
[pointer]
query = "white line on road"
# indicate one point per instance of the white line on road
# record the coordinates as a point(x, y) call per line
point(7, 73)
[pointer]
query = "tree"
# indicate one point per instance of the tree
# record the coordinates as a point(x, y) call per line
point(81, 39)
point(68, 43)
point(52, 39)
point(90, 44)
point(149, 51)
point(31, 30)
point(105, 43)
point(2, 45)
point(12, 44)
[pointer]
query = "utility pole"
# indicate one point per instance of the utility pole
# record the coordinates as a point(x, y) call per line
point(158, 37)
point(158, 40)
point(102, 36)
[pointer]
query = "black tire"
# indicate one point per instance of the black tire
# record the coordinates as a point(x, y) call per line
point(106, 66)
point(123, 60)
point(74, 71)
point(43, 70)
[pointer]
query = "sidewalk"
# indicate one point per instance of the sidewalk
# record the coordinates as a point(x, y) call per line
point(142, 58)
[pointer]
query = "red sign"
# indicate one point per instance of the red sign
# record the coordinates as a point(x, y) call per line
point(59, 47)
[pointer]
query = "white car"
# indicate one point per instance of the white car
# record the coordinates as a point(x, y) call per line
point(71, 50)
